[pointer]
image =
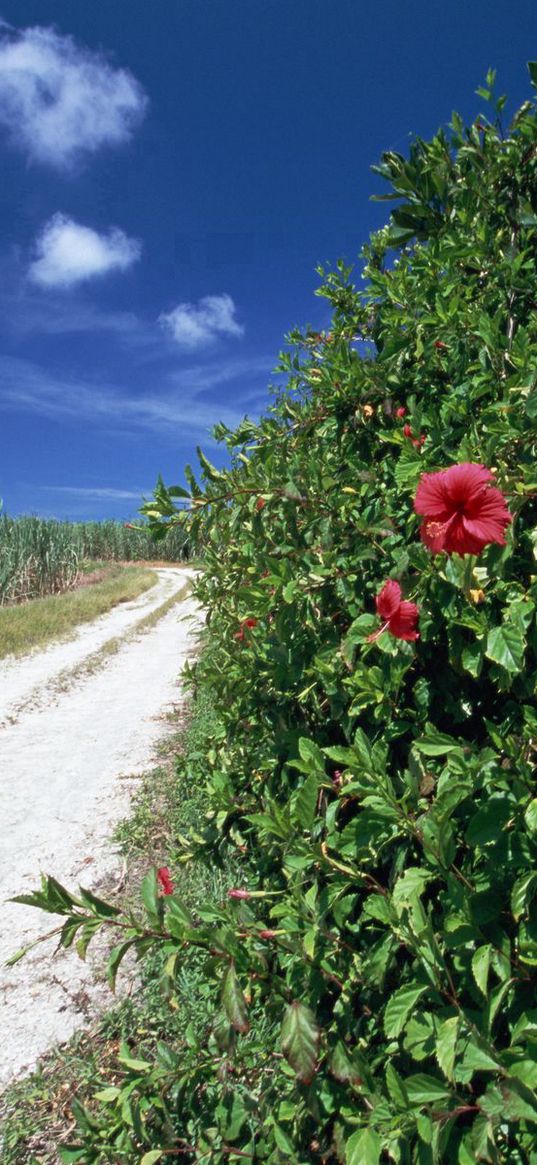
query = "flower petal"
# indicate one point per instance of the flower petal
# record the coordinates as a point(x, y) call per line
point(388, 599)
point(403, 623)
point(432, 497)
point(464, 483)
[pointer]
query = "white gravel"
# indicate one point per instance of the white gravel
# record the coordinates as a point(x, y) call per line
point(63, 766)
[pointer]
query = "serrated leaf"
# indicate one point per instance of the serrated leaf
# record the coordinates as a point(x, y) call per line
point(434, 743)
point(396, 1088)
point(446, 1045)
point(506, 646)
point(481, 965)
point(234, 1001)
point(342, 1066)
point(363, 1148)
point(522, 893)
point(400, 1007)
point(300, 1037)
point(311, 754)
point(423, 1089)
point(306, 802)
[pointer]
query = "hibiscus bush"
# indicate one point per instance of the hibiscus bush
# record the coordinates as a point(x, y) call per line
point(370, 582)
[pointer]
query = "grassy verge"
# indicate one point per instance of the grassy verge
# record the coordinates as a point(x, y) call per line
point(35, 1112)
point(40, 621)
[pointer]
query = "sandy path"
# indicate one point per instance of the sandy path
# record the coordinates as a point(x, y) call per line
point(61, 793)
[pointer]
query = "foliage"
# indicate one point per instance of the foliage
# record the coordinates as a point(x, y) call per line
point(44, 557)
point(374, 993)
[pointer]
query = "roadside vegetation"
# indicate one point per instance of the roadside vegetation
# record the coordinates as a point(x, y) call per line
point(35, 1112)
point(38, 622)
point(363, 992)
point(42, 557)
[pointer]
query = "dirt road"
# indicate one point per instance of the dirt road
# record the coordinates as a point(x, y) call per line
point(69, 740)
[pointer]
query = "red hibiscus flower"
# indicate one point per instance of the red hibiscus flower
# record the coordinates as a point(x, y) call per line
point(164, 878)
point(463, 512)
point(398, 615)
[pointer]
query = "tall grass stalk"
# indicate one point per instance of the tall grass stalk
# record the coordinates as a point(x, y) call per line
point(43, 557)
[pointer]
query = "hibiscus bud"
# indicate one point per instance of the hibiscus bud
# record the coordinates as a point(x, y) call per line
point(440, 345)
point(163, 876)
point(249, 622)
point(268, 933)
point(260, 504)
point(401, 411)
point(129, 526)
point(239, 894)
point(407, 431)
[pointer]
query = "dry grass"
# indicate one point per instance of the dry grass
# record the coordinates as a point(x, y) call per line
point(40, 621)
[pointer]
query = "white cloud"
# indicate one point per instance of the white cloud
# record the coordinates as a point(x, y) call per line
point(104, 493)
point(197, 326)
point(68, 253)
point(181, 405)
point(59, 100)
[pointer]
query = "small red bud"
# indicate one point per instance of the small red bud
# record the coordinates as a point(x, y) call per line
point(407, 431)
point(401, 411)
point(267, 934)
point(440, 344)
point(238, 894)
point(260, 504)
point(163, 876)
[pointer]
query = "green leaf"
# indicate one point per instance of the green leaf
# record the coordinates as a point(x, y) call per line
point(435, 744)
point(115, 958)
point(399, 1008)
point(481, 965)
point(363, 1148)
point(530, 816)
point(300, 1037)
point(306, 801)
point(234, 1001)
point(522, 893)
point(151, 1157)
point(97, 905)
point(311, 754)
point(532, 70)
point(423, 1089)
point(396, 1088)
point(150, 895)
point(446, 1045)
point(506, 646)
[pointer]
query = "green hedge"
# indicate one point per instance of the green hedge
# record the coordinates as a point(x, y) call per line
point(375, 998)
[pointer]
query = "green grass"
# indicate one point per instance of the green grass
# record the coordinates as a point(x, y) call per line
point(34, 1112)
point(41, 621)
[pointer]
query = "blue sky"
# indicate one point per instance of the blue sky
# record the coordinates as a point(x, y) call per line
point(171, 175)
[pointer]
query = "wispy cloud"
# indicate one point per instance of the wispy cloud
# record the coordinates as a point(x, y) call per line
point(68, 253)
point(194, 326)
point(182, 405)
point(60, 101)
point(99, 493)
